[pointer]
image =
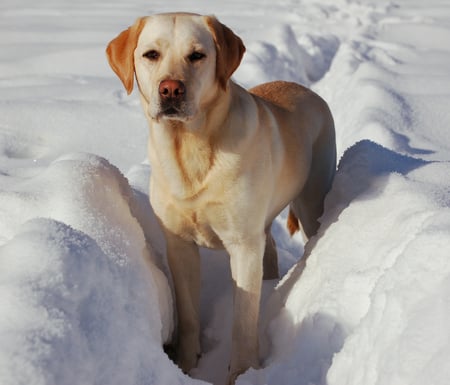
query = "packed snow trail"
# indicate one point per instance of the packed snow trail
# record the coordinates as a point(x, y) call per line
point(84, 296)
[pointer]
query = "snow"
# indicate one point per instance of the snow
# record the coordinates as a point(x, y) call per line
point(85, 296)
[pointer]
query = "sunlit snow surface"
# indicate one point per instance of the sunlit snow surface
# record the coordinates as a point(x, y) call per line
point(84, 297)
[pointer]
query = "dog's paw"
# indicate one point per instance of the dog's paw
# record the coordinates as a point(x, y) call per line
point(232, 376)
point(187, 363)
point(188, 354)
point(236, 368)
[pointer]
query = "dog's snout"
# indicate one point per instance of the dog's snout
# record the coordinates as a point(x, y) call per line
point(172, 89)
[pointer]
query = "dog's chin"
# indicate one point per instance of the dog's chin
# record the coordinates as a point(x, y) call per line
point(177, 116)
point(172, 114)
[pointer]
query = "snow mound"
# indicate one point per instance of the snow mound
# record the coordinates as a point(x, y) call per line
point(376, 282)
point(82, 299)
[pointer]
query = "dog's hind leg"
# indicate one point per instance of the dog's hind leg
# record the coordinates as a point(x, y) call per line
point(270, 260)
point(308, 206)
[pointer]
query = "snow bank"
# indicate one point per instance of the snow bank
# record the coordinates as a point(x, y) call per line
point(82, 299)
point(72, 315)
point(375, 286)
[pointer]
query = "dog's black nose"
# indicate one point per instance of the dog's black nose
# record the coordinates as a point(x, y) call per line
point(172, 89)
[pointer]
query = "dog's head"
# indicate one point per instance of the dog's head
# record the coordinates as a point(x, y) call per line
point(182, 62)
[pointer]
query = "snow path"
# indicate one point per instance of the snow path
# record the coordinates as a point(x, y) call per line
point(83, 297)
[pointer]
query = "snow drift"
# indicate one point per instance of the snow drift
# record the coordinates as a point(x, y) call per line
point(80, 299)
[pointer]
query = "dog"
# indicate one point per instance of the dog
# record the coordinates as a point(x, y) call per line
point(225, 162)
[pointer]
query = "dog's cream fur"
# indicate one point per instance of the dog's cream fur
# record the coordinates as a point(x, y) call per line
point(225, 162)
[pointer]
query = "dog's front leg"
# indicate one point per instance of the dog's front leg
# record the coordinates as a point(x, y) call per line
point(184, 263)
point(246, 258)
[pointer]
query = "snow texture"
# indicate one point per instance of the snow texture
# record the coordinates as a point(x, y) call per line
point(85, 292)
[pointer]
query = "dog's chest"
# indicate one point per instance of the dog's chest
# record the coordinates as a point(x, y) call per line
point(192, 188)
point(193, 223)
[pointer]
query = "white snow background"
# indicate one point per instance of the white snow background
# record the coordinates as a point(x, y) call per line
point(84, 297)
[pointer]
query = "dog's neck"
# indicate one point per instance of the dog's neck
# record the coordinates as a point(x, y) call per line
point(185, 152)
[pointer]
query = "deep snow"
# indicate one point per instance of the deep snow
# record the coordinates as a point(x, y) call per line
point(84, 297)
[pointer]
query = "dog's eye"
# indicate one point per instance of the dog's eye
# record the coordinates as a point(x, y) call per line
point(196, 56)
point(152, 55)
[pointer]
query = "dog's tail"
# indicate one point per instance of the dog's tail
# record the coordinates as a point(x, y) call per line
point(293, 224)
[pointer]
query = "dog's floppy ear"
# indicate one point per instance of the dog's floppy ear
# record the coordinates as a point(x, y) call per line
point(229, 48)
point(120, 53)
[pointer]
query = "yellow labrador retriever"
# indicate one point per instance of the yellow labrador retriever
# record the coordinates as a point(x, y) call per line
point(225, 162)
